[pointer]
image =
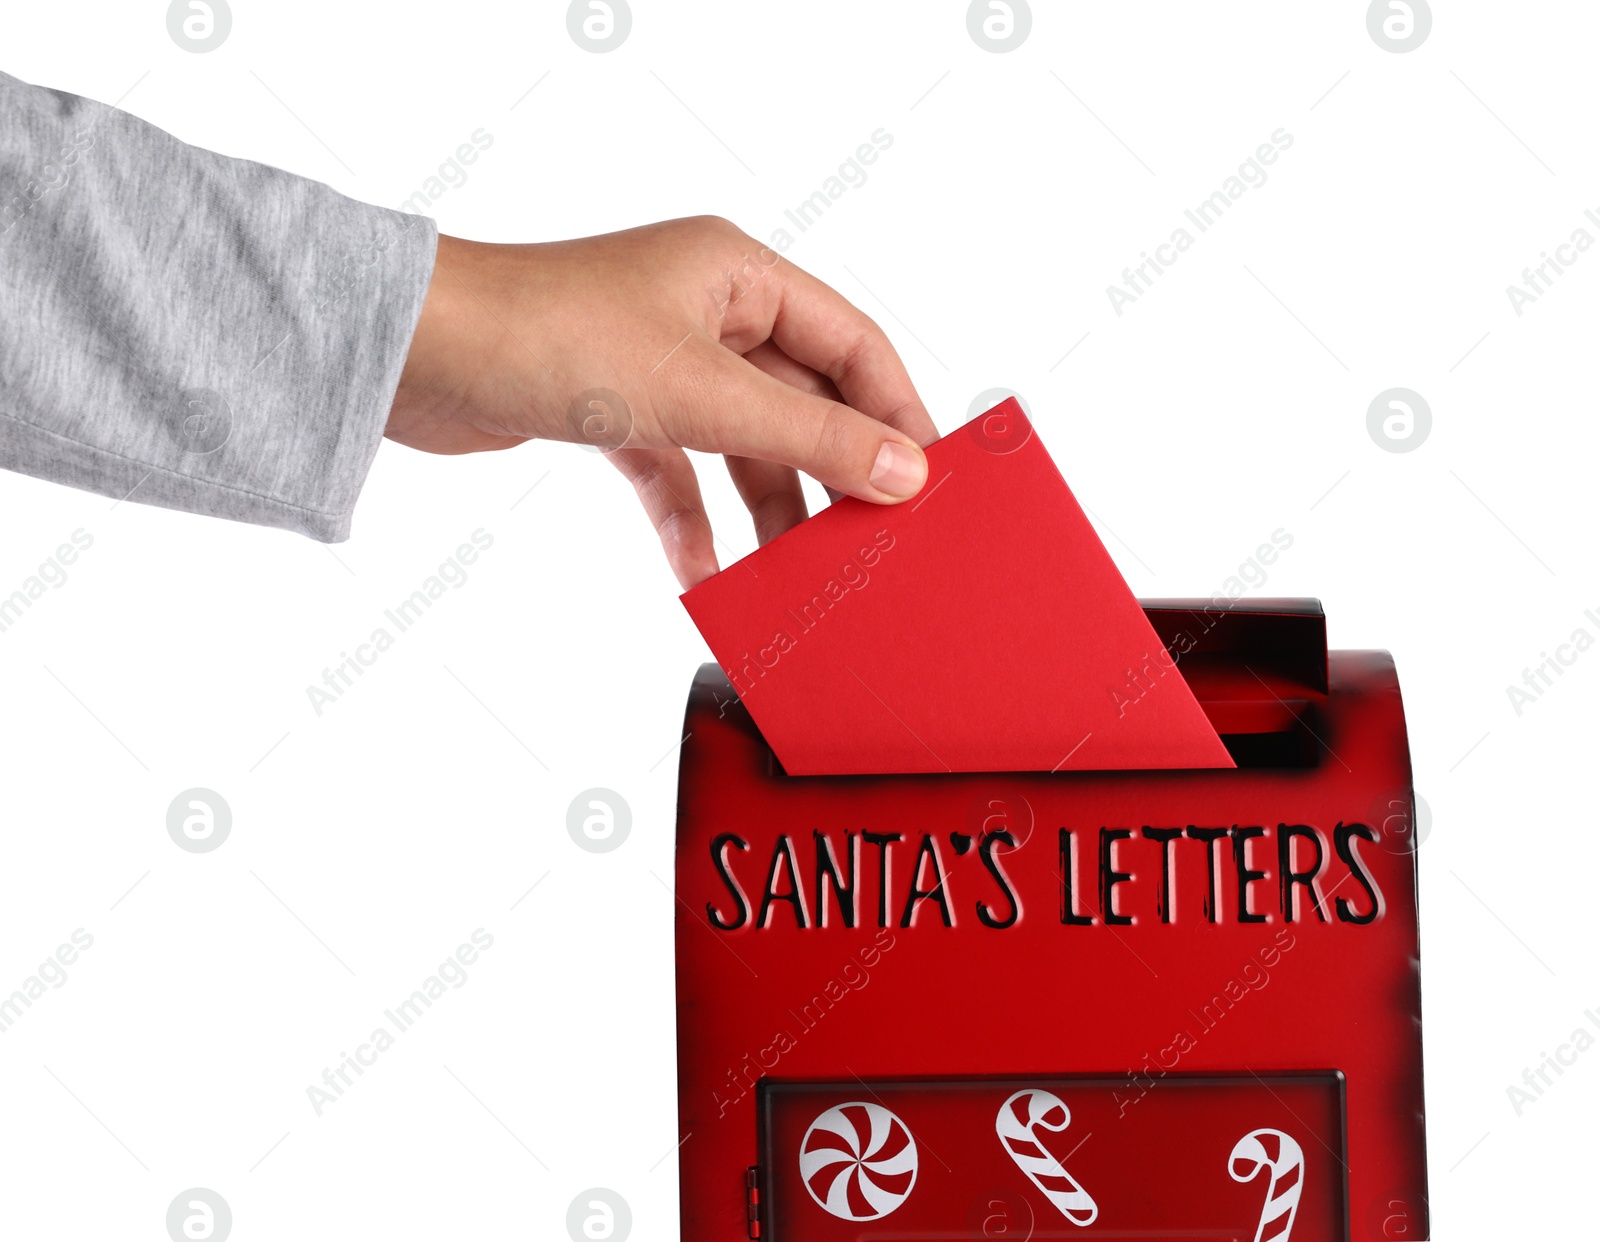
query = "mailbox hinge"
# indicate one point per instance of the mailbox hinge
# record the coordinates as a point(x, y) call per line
point(752, 1201)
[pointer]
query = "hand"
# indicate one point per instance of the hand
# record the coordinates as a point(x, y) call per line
point(713, 341)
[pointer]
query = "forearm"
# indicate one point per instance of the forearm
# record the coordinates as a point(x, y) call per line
point(190, 330)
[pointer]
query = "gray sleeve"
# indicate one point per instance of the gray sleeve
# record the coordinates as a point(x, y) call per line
point(183, 329)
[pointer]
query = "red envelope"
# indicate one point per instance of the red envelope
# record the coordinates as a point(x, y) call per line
point(981, 626)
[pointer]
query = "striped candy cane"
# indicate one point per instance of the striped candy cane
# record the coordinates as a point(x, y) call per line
point(1015, 1124)
point(1281, 1156)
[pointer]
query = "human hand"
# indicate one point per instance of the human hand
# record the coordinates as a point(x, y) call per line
point(715, 343)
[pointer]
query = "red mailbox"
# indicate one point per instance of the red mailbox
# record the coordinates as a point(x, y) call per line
point(1140, 1004)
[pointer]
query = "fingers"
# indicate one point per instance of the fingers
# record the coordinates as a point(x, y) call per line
point(817, 326)
point(769, 358)
point(719, 403)
point(666, 485)
point(772, 494)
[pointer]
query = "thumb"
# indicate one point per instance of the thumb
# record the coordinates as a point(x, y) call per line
point(719, 403)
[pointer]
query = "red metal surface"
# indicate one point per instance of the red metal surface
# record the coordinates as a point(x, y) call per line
point(1179, 947)
point(872, 1161)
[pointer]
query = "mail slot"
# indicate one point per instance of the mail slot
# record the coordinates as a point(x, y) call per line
point(1137, 1004)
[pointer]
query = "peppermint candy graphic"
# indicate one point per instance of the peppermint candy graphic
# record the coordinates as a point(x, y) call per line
point(858, 1161)
point(1281, 1156)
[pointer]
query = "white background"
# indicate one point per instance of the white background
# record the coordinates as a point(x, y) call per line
point(1224, 404)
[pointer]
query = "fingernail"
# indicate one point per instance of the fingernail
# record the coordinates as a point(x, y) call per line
point(899, 471)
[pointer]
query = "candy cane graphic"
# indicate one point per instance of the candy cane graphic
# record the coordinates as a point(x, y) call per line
point(1015, 1124)
point(1281, 1155)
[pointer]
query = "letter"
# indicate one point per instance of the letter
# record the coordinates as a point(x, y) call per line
point(1241, 844)
point(381, 639)
point(883, 841)
point(1234, 991)
point(884, 539)
point(1166, 836)
point(1285, 142)
point(466, 554)
point(1569, 259)
point(417, 204)
point(50, 972)
point(1249, 166)
point(453, 574)
point(719, 859)
point(1582, 639)
point(854, 576)
point(834, 991)
point(854, 977)
point(318, 1098)
point(467, 153)
point(1164, 261)
point(433, 987)
point(66, 954)
point(83, 539)
point(82, 939)
point(433, 586)
point(33, 987)
point(1182, 238)
point(783, 854)
point(1519, 298)
point(1212, 208)
point(1248, 969)
point(867, 153)
point(1269, 956)
point(1283, 539)
point(66, 554)
point(1119, 298)
point(1067, 843)
point(852, 166)
point(466, 954)
point(885, 142)
point(1582, 240)
point(1110, 877)
point(433, 188)
point(483, 939)
point(1288, 877)
point(1267, 153)
point(1563, 1048)
point(483, 138)
point(48, 572)
point(1252, 573)
point(33, 586)
point(929, 849)
point(835, 188)
point(483, 539)
point(827, 868)
point(1343, 846)
point(1518, 1098)
point(986, 847)
point(1582, 1039)
point(1219, 1005)
point(1210, 836)
point(319, 698)
point(818, 605)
